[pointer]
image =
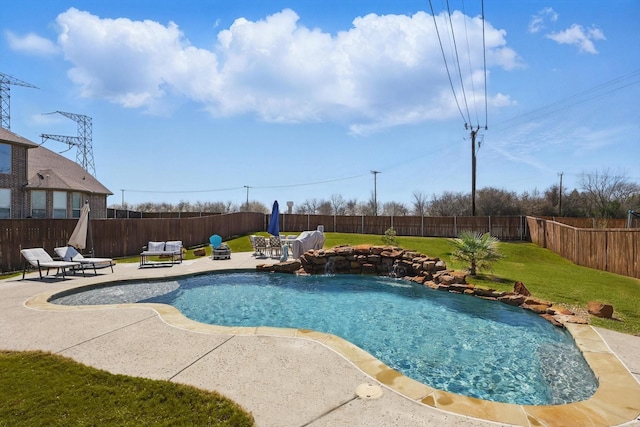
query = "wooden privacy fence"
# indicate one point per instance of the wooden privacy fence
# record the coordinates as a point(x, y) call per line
point(502, 227)
point(616, 250)
point(594, 222)
point(118, 237)
point(115, 238)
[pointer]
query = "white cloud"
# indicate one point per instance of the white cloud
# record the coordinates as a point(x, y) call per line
point(576, 35)
point(383, 71)
point(31, 44)
point(537, 22)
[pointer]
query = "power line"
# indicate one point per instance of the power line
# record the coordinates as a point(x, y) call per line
point(473, 89)
point(455, 50)
point(484, 60)
point(314, 183)
point(238, 188)
point(444, 57)
point(574, 100)
point(182, 191)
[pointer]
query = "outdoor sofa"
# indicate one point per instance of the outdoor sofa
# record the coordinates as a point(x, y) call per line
point(169, 252)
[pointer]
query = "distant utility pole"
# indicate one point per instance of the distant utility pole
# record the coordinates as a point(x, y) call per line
point(560, 195)
point(474, 133)
point(375, 193)
point(247, 205)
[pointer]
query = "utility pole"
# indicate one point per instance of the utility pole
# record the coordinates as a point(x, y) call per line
point(560, 195)
point(473, 170)
point(375, 193)
point(247, 205)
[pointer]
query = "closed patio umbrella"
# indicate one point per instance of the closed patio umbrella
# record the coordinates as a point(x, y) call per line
point(274, 221)
point(78, 238)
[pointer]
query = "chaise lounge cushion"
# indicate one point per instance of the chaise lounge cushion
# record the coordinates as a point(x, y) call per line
point(69, 253)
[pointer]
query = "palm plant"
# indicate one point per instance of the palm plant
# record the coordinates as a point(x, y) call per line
point(479, 250)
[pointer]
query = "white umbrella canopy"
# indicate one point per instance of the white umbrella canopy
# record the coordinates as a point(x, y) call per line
point(78, 238)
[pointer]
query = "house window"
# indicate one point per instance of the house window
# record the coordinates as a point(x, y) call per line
point(76, 205)
point(38, 204)
point(5, 158)
point(59, 204)
point(5, 203)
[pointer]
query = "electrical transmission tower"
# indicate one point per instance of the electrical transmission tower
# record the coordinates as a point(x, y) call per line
point(84, 140)
point(5, 96)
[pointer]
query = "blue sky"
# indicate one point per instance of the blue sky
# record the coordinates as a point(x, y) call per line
point(197, 100)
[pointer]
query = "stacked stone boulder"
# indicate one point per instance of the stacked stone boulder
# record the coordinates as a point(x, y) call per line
point(418, 268)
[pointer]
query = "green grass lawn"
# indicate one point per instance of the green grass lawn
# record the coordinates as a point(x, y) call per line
point(42, 389)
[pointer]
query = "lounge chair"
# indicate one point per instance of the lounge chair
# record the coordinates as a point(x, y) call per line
point(40, 259)
point(69, 253)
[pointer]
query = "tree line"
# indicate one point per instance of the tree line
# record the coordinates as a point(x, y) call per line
point(601, 194)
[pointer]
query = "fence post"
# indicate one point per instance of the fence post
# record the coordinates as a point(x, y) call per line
point(422, 225)
point(455, 226)
point(521, 228)
point(490, 225)
point(362, 224)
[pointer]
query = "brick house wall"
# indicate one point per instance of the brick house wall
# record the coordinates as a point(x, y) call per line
point(16, 180)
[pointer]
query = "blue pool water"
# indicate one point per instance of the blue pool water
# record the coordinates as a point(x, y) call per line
point(451, 342)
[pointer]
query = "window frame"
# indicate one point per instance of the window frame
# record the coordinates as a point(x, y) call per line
point(60, 207)
point(5, 166)
point(76, 208)
point(5, 203)
point(38, 204)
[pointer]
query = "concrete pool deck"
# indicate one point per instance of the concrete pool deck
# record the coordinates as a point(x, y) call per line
point(287, 377)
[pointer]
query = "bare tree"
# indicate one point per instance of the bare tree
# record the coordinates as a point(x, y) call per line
point(573, 204)
point(420, 203)
point(325, 207)
point(309, 206)
point(370, 207)
point(607, 195)
point(338, 204)
point(255, 206)
point(494, 201)
point(535, 203)
point(394, 209)
point(450, 204)
point(352, 207)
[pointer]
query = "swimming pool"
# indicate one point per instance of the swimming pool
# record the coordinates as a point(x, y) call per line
point(451, 342)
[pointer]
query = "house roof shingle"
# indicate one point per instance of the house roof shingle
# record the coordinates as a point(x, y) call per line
point(49, 170)
point(7, 136)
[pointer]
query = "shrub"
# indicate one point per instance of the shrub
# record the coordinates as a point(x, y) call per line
point(389, 237)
